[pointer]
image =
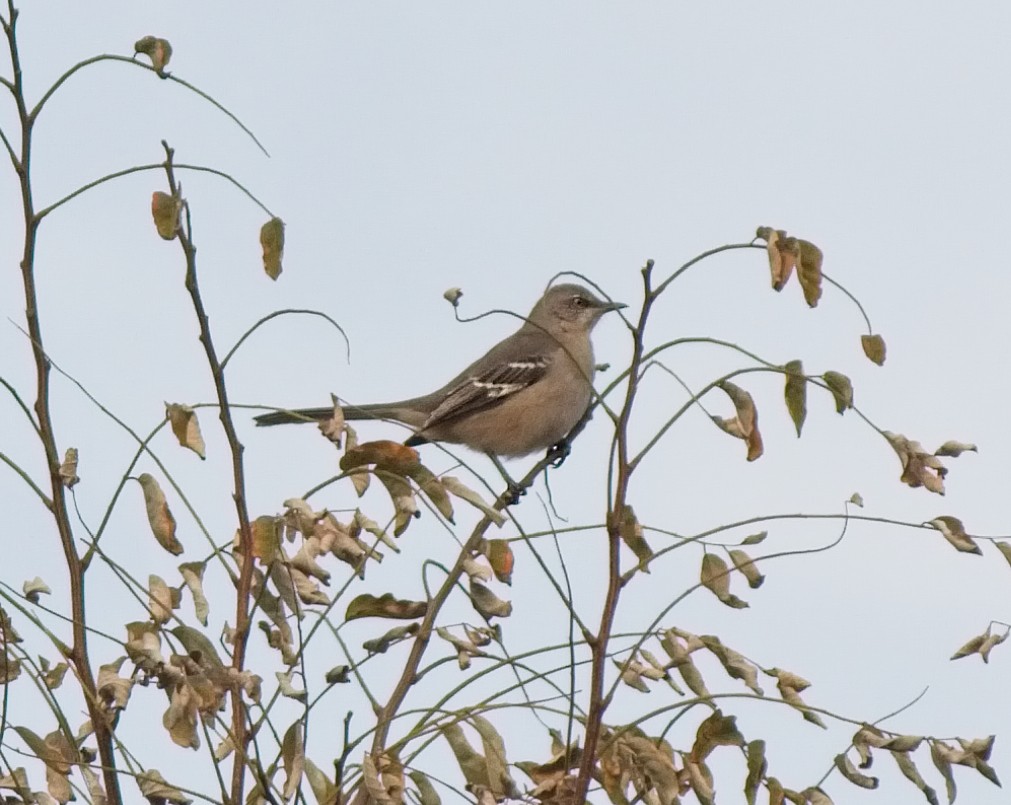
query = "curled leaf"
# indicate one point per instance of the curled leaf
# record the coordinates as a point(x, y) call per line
point(452, 295)
point(163, 524)
point(157, 49)
point(272, 242)
point(715, 577)
point(954, 449)
point(919, 468)
point(745, 424)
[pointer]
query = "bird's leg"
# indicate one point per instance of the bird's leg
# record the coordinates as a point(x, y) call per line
point(557, 453)
point(513, 491)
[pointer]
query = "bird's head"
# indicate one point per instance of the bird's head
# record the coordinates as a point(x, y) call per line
point(571, 306)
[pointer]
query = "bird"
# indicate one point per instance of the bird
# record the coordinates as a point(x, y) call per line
point(524, 395)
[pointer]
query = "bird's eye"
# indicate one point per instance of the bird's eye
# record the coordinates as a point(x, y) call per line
point(580, 301)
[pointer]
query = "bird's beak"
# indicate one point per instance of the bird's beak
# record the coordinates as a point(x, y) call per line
point(609, 306)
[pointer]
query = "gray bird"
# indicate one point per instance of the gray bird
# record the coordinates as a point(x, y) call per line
point(524, 395)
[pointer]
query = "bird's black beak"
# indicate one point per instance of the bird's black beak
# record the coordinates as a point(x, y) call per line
point(609, 306)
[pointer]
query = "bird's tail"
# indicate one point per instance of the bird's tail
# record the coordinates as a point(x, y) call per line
point(299, 416)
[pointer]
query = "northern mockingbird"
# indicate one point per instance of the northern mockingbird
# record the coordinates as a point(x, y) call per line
point(525, 394)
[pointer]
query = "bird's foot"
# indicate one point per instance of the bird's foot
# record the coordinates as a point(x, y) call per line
point(513, 493)
point(557, 453)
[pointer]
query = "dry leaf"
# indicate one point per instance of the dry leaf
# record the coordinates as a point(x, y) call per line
point(715, 577)
point(165, 210)
point(500, 557)
point(34, 588)
point(163, 524)
point(157, 49)
point(796, 393)
point(185, 427)
point(919, 468)
point(385, 606)
point(952, 530)
point(874, 348)
point(630, 531)
point(272, 241)
point(746, 565)
point(955, 449)
point(487, 604)
point(809, 271)
point(452, 295)
point(68, 469)
point(745, 424)
point(460, 490)
point(842, 389)
point(333, 428)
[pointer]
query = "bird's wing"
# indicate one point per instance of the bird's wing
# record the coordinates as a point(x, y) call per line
point(489, 388)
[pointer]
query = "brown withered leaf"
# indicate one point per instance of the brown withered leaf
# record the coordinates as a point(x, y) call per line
point(701, 781)
point(360, 479)
point(715, 577)
point(156, 790)
point(1005, 549)
point(734, 663)
point(381, 644)
point(385, 454)
point(842, 389)
point(487, 604)
point(165, 210)
point(745, 424)
point(35, 588)
point(162, 599)
point(473, 765)
point(790, 685)
point(433, 489)
point(272, 242)
point(981, 644)
point(851, 773)
point(333, 428)
point(716, 730)
point(951, 529)
point(919, 468)
point(780, 265)
point(795, 393)
point(193, 578)
point(185, 426)
point(155, 48)
point(163, 524)
point(954, 449)
point(405, 505)
point(809, 271)
point(630, 531)
point(384, 606)
point(500, 557)
point(754, 539)
point(757, 768)
point(940, 758)
point(293, 759)
point(465, 493)
point(747, 567)
point(267, 538)
point(68, 469)
point(874, 348)
point(911, 773)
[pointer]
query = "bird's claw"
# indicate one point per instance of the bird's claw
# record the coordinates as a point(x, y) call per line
point(557, 453)
point(513, 493)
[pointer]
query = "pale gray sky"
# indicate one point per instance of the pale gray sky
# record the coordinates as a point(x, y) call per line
point(415, 147)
